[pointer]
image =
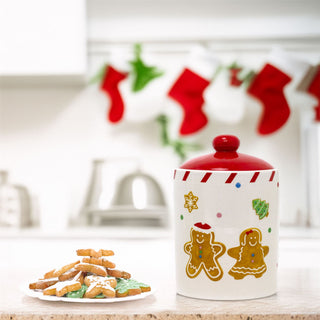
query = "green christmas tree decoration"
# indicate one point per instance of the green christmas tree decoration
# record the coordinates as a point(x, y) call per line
point(142, 73)
point(261, 208)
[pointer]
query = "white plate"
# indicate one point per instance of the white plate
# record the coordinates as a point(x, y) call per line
point(38, 294)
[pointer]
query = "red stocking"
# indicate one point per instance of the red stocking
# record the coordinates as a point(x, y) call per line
point(110, 85)
point(201, 66)
point(234, 80)
point(188, 91)
point(268, 87)
point(314, 89)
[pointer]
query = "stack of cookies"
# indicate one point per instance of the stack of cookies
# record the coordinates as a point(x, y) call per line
point(92, 277)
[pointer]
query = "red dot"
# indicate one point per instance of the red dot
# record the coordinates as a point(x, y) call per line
point(219, 215)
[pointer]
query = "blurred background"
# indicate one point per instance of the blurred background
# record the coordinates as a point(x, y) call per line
point(94, 119)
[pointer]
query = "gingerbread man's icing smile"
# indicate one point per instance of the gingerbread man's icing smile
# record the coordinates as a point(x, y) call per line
point(202, 238)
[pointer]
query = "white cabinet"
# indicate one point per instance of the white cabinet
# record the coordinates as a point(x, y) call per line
point(42, 38)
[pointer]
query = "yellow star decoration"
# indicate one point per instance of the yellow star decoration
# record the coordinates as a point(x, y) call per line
point(190, 201)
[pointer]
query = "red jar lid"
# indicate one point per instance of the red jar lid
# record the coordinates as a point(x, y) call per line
point(226, 158)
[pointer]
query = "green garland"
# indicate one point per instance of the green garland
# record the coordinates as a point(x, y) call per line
point(142, 74)
point(180, 147)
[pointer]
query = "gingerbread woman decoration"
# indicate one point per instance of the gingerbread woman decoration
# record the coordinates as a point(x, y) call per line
point(204, 253)
point(250, 255)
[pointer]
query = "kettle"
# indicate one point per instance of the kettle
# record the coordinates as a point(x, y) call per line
point(133, 199)
point(15, 204)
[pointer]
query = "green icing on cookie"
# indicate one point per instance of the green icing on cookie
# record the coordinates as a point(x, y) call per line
point(100, 296)
point(79, 293)
point(123, 285)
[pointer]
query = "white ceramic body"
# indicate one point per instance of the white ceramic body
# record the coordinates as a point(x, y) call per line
point(225, 203)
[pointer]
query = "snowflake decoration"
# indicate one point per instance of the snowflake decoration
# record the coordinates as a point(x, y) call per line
point(190, 201)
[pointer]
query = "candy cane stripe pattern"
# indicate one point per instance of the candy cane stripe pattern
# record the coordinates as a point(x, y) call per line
point(272, 175)
point(186, 175)
point(230, 177)
point(254, 177)
point(206, 177)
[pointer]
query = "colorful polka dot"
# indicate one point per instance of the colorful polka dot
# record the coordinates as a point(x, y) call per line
point(238, 185)
point(269, 230)
point(252, 261)
point(200, 247)
point(219, 215)
point(200, 251)
point(181, 217)
point(278, 184)
point(252, 255)
point(200, 256)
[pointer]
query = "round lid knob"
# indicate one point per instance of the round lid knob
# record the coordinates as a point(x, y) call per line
point(226, 143)
point(226, 158)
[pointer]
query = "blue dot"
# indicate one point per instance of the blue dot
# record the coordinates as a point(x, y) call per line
point(200, 257)
point(252, 255)
point(238, 185)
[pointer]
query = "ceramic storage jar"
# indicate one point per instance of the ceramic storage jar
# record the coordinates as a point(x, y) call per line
point(226, 219)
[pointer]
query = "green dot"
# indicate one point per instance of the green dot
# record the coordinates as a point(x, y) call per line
point(181, 217)
point(200, 251)
point(269, 230)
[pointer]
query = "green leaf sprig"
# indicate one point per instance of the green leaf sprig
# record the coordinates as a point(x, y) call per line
point(180, 147)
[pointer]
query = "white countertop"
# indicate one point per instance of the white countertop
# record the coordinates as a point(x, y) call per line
point(152, 261)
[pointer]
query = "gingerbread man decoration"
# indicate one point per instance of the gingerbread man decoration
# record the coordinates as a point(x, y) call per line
point(204, 253)
point(250, 255)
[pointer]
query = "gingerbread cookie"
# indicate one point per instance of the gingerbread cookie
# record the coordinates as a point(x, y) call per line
point(59, 271)
point(43, 284)
point(106, 253)
point(61, 288)
point(204, 253)
point(93, 253)
point(99, 261)
point(249, 255)
point(100, 285)
point(118, 274)
point(68, 275)
point(92, 268)
point(130, 287)
point(94, 277)
point(80, 277)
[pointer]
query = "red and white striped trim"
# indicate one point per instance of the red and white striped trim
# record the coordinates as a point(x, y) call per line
point(208, 176)
point(254, 177)
point(231, 177)
point(186, 175)
point(272, 175)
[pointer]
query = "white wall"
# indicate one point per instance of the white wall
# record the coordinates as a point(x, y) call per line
point(50, 134)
